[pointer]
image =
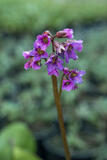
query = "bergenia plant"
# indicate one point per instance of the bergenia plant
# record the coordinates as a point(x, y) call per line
point(56, 63)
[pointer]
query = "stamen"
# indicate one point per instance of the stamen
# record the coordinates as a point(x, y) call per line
point(45, 40)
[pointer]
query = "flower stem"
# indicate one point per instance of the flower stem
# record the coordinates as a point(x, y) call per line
point(60, 89)
point(60, 116)
point(52, 40)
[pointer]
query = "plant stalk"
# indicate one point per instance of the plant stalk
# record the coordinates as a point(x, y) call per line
point(60, 90)
point(60, 116)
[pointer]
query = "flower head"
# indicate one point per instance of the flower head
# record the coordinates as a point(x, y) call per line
point(62, 52)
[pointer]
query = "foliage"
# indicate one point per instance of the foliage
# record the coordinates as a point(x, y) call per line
point(102, 152)
point(15, 135)
point(89, 121)
point(101, 107)
point(20, 154)
point(5, 151)
point(74, 140)
point(97, 49)
point(30, 16)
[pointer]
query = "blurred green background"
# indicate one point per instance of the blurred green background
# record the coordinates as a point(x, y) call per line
point(26, 96)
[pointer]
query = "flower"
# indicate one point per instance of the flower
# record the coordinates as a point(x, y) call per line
point(28, 64)
point(36, 64)
point(27, 54)
point(66, 33)
point(68, 85)
point(54, 64)
point(39, 52)
point(66, 71)
point(54, 72)
point(47, 33)
point(76, 75)
point(33, 63)
point(72, 78)
point(59, 48)
point(71, 47)
point(43, 40)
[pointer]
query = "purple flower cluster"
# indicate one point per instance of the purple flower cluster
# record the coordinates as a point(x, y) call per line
point(62, 51)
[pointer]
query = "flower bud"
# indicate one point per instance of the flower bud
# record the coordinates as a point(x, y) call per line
point(66, 33)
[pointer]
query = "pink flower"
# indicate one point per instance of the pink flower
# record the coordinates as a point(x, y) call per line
point(68, 85)
point(76, 75)
point(39, 52)
point(66, 33)
point(36, 64)
point(43, 40)
point(54, 64)
point(54, 72)
point(28, 64)
point(27, 54)
point(71, 48)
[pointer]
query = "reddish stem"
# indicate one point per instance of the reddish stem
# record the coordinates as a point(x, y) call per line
point(60, 89)
point(60, 116)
